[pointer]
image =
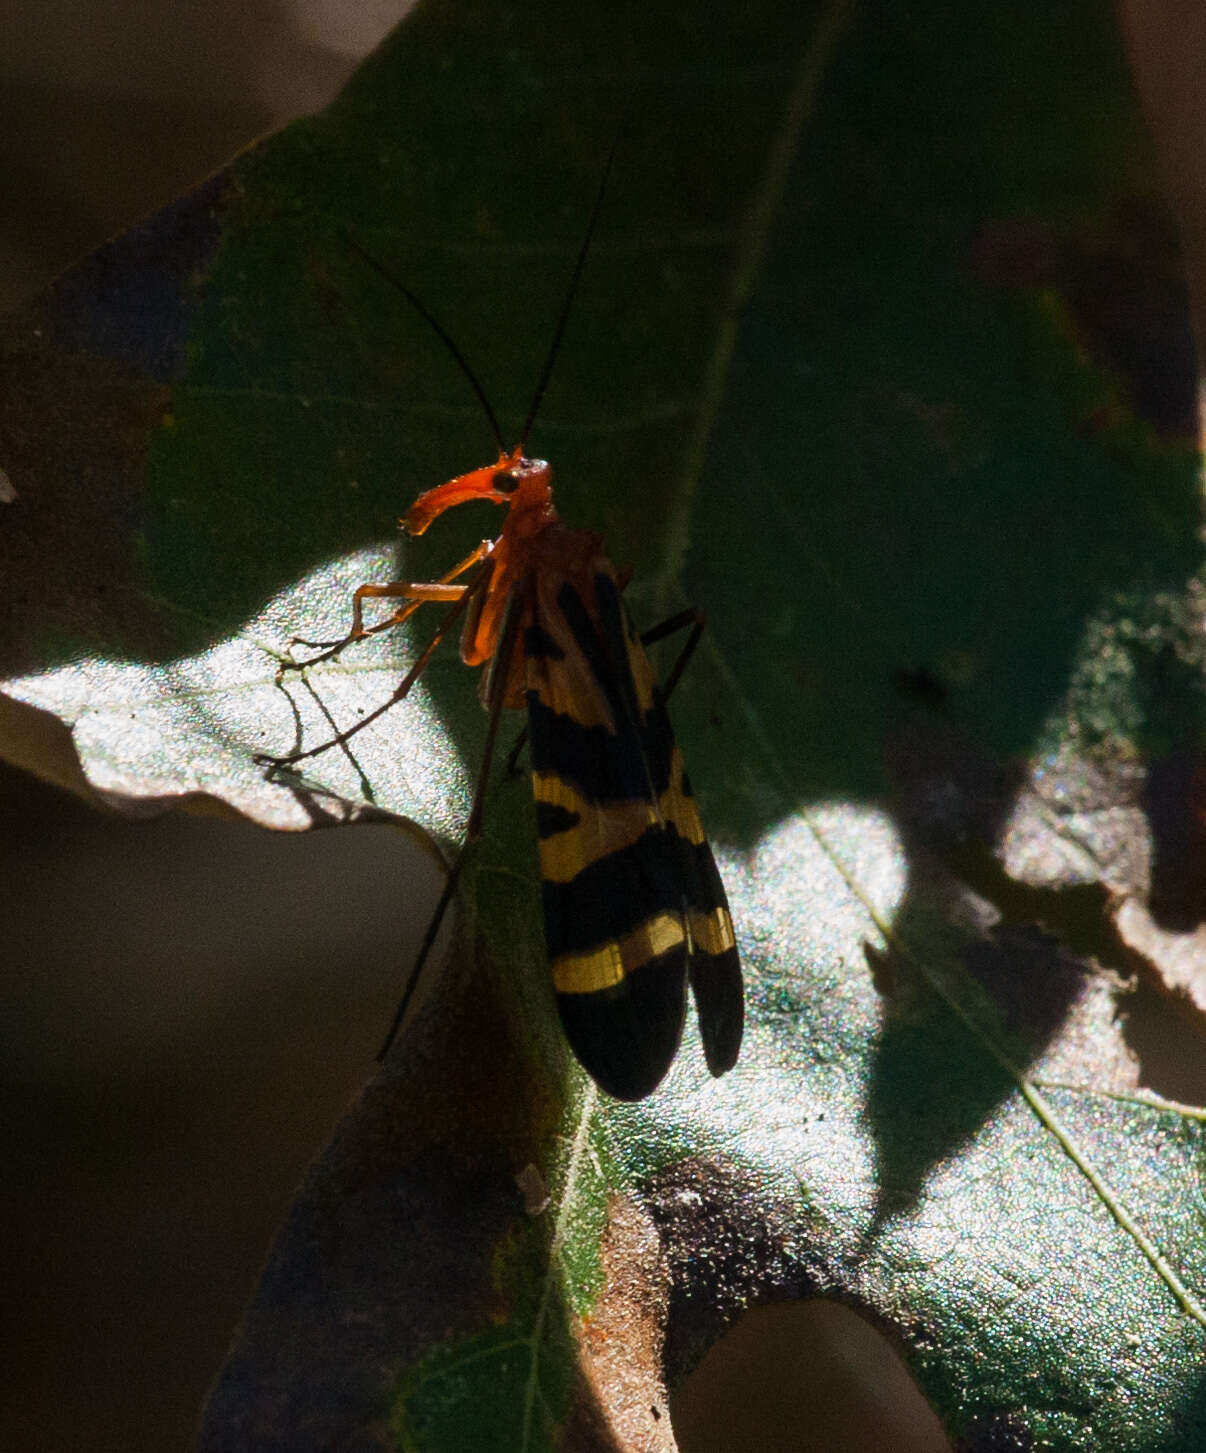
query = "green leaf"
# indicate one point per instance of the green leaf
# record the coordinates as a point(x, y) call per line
point(881, 357)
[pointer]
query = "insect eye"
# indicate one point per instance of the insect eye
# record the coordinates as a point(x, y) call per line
point(506, 482)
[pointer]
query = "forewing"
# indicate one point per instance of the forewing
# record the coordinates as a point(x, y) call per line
point(632, 899)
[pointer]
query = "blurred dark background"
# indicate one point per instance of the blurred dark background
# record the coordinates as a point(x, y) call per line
point(186, 1005)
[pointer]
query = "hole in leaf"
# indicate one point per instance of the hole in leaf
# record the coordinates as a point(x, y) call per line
point(1168, 1043)
point(806, 1377)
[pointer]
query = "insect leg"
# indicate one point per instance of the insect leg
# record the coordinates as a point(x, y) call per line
point(464, 594)
point(511, 766)
point(692, 617)
point(415, 592)
point(500, 668)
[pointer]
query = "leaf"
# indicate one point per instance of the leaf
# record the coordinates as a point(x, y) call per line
point(880, 355)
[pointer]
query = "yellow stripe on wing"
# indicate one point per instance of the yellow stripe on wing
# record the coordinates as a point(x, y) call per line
point(606, 966)
point(608, 827)
point(712, 932)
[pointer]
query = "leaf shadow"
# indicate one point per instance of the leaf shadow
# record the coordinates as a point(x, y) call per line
point(933, 1088)
point(954, 570)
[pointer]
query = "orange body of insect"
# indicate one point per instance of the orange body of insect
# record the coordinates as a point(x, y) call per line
point(634, 908)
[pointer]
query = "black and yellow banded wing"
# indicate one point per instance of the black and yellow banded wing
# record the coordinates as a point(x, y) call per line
point(633, 903)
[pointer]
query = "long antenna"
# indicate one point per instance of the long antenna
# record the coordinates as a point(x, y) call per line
point(438, 328)
point(570, 292)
